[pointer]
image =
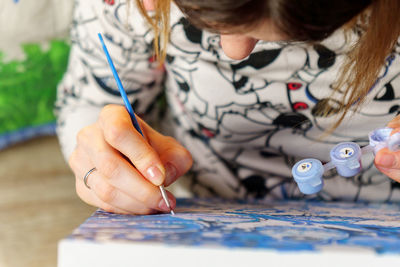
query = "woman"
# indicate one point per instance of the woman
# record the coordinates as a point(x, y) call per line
point(252, 86)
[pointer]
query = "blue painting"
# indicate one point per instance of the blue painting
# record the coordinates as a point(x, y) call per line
point(279, 226)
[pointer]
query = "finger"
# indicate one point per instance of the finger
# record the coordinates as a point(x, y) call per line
point(388, 162)
point(176, 159)
point(111, 198)
point(119, 132)
point(87, 195)
point(395, 122)
point(172, 202)
point(117, 170)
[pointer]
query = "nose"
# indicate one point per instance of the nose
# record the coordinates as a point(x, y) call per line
point(237, 46)
point(149, 5)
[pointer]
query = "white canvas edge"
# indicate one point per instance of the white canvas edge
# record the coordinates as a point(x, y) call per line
point(82, 253)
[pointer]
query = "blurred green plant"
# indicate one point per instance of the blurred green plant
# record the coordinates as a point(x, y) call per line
point(28, 87)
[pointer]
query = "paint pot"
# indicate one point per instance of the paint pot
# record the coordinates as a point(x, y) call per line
point(378, 138)
point(381, 138)
point(394, 142)
point(308, 175)
point(347, 158)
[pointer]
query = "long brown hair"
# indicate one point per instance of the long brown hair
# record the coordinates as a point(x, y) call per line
point(160, 23)
point(302, 20)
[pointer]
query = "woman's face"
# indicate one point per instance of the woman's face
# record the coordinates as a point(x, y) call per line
point(239, 46)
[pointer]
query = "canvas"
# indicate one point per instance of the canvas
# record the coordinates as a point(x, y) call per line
point(231, 233)
point(34, 52)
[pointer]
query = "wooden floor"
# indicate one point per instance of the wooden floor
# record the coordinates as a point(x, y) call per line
point(38, 204)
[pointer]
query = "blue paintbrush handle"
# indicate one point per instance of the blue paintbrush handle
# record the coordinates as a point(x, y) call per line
point(120, 87)
point(129, 107)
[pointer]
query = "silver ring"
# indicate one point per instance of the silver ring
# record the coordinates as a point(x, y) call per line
point(87, 176)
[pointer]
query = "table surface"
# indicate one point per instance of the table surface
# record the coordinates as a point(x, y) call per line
point(37, 198)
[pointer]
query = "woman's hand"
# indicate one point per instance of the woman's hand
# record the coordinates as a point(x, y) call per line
point(388, 162)
point(129, 167)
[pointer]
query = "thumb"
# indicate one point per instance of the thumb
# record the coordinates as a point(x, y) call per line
point(395, 122)
point(388, 162)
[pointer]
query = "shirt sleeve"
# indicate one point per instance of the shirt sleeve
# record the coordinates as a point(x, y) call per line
point(88, 84)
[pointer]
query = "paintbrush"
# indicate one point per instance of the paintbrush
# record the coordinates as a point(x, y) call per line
point(129, 109)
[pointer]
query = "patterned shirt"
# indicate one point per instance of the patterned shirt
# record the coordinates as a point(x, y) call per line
point(245, 122)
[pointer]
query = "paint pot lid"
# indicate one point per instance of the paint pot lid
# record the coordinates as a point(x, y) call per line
point(308, 171)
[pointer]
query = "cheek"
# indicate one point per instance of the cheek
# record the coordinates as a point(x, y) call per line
point(237, 47)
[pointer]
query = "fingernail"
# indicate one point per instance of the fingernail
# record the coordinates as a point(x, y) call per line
point(163, 205)
point(154, 175)
point(387, 160)
point(170, 173)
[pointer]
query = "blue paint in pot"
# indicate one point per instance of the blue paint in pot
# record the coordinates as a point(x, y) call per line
point(379, 135)
point(347, 158)
point(381, 138)
point(378, 138)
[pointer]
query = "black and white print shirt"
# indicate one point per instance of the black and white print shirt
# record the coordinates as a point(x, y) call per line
point(245, 122)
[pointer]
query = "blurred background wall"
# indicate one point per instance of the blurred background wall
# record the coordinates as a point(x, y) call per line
point(38, 204)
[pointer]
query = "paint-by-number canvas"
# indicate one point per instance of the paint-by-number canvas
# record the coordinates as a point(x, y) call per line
point(213, 232)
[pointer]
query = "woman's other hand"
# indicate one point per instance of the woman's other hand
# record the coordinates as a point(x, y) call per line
point(388, 162)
